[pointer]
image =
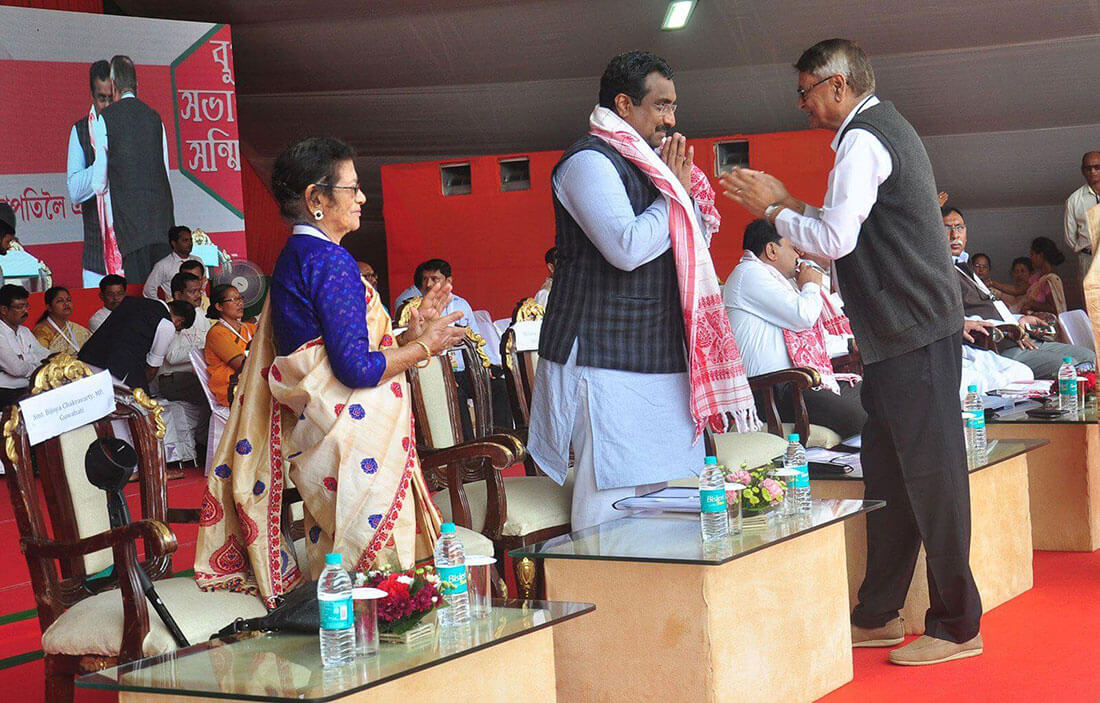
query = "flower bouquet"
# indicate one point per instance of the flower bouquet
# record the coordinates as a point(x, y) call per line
point(411, 595)
point(762, 493)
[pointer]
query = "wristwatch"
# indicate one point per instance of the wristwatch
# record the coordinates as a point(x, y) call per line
point(772, 211)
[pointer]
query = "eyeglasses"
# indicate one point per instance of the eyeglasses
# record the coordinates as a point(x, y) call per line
point(955, 228)
point(354, 187)
point(665, 108)
point(802, 93)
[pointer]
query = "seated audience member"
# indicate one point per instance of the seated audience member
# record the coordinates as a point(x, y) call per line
point(228, 339)
point(198, 270)
point(54, 330)
point(112, 289)
point(1042, 290)
point(159, 283)
point(1043, 358)
point(176, 379)
point(7, 227)
point(551, 258)
point(370, 276)
point(20, 352)
point(429, 273)
point(132, 341)
point(779, 325)
point(982, 266)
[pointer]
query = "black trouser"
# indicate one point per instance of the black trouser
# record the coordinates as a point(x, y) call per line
point(843, 414)
point(914, 458)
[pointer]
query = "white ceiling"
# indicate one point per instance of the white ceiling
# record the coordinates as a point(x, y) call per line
point(1004, 91)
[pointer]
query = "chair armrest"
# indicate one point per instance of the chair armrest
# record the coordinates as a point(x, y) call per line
point(500, 450)
point(186, 516)
point(291, 495)
point(159, 541)
point(802, 377)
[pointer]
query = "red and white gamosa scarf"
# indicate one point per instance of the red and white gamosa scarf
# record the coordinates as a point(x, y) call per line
point(716, 374)
point(112, 257)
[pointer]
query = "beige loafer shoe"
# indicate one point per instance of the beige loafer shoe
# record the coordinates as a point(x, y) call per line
point(930, 650)
point(888, 635)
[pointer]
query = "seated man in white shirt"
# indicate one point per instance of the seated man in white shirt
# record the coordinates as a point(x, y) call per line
point(176, 379)
point(1043, 358)
point(112, 289)
point(770, 315)
point(159, 283)
point(20, 352)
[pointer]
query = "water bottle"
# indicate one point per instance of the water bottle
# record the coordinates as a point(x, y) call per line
point(450, 564)
point(798, 486)
point(337, 614)
point(1067, 385)
point(712, 501)
point(974, 412)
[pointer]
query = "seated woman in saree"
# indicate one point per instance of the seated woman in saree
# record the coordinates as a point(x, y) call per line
point(54, 331)
point(324, 395)
point(227, 341)
point(1043, 290)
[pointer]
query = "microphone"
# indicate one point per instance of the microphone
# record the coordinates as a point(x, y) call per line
point(109, 464)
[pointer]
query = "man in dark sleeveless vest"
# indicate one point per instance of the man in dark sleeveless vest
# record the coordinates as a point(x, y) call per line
point(612, 378)
point(81, 160)
point(132, 341)
point(881, 225)
point(137, 174)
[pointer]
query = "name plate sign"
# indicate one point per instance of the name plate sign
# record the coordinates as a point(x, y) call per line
point(73, 405)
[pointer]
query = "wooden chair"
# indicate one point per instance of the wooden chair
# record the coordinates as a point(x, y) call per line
point(519, 358)
point(512, 511)
point(65, 536)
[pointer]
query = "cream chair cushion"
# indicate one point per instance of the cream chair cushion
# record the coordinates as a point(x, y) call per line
point(433, 391)
point(534, 503)
point(820, 436)
point(94, 625)
point(89, 502)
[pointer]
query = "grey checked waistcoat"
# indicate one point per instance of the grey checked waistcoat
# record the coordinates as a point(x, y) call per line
point(627, 320)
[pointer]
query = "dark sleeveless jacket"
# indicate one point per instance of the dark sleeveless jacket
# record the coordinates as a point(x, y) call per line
point(627, 320)
point(141, 199)
point(125, 337)
point(93, 237)
point(899, 288)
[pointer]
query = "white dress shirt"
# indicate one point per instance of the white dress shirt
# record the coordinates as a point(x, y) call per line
point(162, 341)
point(178, 357)
point(1077, 227)
point(542, 297)
point(78, 172)
point(20, 355)
point(99, 166)
point(97, 319)
point(410, 292)
point(161, 276)
point(862, 164)
point(760, 307)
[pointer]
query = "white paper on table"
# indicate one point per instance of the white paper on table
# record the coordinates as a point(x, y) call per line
point(674, 499)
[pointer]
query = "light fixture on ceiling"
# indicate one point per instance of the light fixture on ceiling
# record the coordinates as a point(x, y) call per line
point(677, 15)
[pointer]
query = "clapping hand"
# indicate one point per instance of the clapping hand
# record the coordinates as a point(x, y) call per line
point(439, 335)
point(432, 305)
point(753, 190)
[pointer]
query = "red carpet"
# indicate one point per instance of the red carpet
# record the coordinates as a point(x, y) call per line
point(1039, 647)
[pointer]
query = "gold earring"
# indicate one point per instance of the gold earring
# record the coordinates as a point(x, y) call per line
point(317, 214)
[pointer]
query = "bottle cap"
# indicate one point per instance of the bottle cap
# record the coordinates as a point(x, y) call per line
point(334, 558)
point(793, 437)
point(972, 388)
point(710, 460)
point(1067, 359)
point(447, 528)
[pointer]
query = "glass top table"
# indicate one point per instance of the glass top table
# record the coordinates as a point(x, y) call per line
point(999, 450)
point(677, 538)
point(1085, 416)
point(287, 666)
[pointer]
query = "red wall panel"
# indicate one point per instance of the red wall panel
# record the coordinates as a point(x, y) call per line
point(69, 5)
point(264, 228)
point(495, 240)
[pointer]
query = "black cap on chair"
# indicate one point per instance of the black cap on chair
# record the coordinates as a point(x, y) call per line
point(109, 463)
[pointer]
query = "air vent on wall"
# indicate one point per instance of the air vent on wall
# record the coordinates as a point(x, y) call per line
point(455, 178)
point(728, 155)
point(515, 174)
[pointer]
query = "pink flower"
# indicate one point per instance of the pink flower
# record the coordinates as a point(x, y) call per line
point(740, 476)
point(773, 488)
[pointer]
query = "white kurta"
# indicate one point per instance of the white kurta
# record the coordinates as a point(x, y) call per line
point(628, 429)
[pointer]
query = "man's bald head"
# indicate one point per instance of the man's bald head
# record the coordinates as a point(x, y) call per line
point(1090, 168)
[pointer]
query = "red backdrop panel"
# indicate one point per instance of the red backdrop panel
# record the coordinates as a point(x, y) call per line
point(495, 240)
point(70, 5)
point(264, 228)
